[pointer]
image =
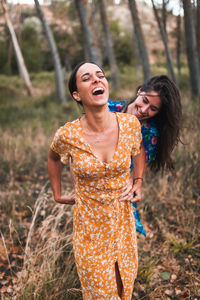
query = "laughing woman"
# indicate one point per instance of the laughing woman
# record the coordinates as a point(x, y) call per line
point(99, 146)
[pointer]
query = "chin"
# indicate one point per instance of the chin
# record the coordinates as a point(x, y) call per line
point(100, 103)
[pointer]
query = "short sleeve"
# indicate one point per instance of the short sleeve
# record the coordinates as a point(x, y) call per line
point(137, 137)
point(150, 140)
point(60, 145)
point(116, 105)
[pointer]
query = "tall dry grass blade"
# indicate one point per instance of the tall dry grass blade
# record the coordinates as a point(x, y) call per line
point(38, 206)
point(4, 244)
point(49, 266)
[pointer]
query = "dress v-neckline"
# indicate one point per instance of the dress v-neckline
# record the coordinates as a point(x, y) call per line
point(91, 148)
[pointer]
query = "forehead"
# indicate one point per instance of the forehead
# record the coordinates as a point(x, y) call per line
point(153, 97)
point(88, 68)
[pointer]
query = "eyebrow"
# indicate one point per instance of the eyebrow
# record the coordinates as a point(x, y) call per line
point(86, 74)
point(157, 95)
point(145, 96)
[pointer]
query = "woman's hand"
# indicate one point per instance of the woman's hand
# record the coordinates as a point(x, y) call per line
point(66, 199)
point(132, 192)
point(137, 190)
point(54, 169)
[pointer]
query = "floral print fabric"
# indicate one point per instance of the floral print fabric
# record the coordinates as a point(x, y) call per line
point(149, 131)
point(150, 138)
point(103, 228)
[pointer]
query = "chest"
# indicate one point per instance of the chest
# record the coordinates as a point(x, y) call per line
point(107, 154)
point(109, 158)
point(103, 145)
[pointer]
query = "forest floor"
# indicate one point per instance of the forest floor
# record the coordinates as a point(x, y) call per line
point(36, 261)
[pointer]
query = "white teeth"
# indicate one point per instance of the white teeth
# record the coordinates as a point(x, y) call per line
point(97, 89)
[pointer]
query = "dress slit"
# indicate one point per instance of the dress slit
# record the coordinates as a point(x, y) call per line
point(118, 280)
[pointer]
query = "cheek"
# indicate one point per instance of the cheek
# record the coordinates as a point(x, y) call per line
point(106, 86)
point(154, 113)
point(138, 103)
point(83, 92)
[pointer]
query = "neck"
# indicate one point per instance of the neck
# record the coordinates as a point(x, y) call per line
point(97, 120)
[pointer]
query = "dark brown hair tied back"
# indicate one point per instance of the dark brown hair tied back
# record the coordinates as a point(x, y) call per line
point(72, 79)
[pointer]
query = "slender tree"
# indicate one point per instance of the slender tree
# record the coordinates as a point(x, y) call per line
point(93, 15)
point(54, 52)
point(140, 40)
point(136, 53)
point(165, 42)
point(191, 48)
point(91, 49)
point(164, 14)
point(20, 60)
point(178, 44)
point(198, 30)
point(109, 45)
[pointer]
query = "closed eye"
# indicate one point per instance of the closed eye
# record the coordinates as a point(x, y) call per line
point(154, 108)
point(145, 100)
point(89, 77)
point(86, 78)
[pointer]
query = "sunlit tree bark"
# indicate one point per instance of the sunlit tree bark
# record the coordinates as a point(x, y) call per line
point(54, 53)
point(91, 50)
point(109, 45)
point(191, 48)
point(140, 40)
point(165, 42)
point(20, 60)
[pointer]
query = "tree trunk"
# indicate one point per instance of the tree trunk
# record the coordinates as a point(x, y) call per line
point(191, 48)
point(198, 30)
point(136, 53)
point(10, 51)
point(93, 11)
point(140, 40)
point(164, 39)
point(54, 52)
point(109, 45)
point(91, 49)
point(164, 15)
point(178, 44)
point(18, 53)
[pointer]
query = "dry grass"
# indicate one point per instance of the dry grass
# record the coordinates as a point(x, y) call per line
point(169, 256)
point(49, 269)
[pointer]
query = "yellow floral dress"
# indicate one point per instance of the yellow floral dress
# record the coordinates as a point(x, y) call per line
point(103, 228)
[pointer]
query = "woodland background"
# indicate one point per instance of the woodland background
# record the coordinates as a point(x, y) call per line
point(132, 40)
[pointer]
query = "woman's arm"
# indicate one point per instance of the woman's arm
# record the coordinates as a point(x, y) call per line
point(135, 184)
point(139, 168)
point(54, 169)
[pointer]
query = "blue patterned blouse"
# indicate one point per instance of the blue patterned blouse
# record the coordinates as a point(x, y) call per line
point(148, 129)
point(150, 140)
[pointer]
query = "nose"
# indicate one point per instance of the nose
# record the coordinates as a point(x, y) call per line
point(144, 109)
point(95, 78)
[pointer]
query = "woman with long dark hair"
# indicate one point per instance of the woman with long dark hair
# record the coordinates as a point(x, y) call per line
point(157, 105)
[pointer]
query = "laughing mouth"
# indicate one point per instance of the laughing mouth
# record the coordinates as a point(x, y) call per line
point(140, 115)
point(98, 91)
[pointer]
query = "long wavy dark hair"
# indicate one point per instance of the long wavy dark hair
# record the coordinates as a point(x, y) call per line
point(168, 120)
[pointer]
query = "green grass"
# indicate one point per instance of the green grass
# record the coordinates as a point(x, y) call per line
point(19, 111)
